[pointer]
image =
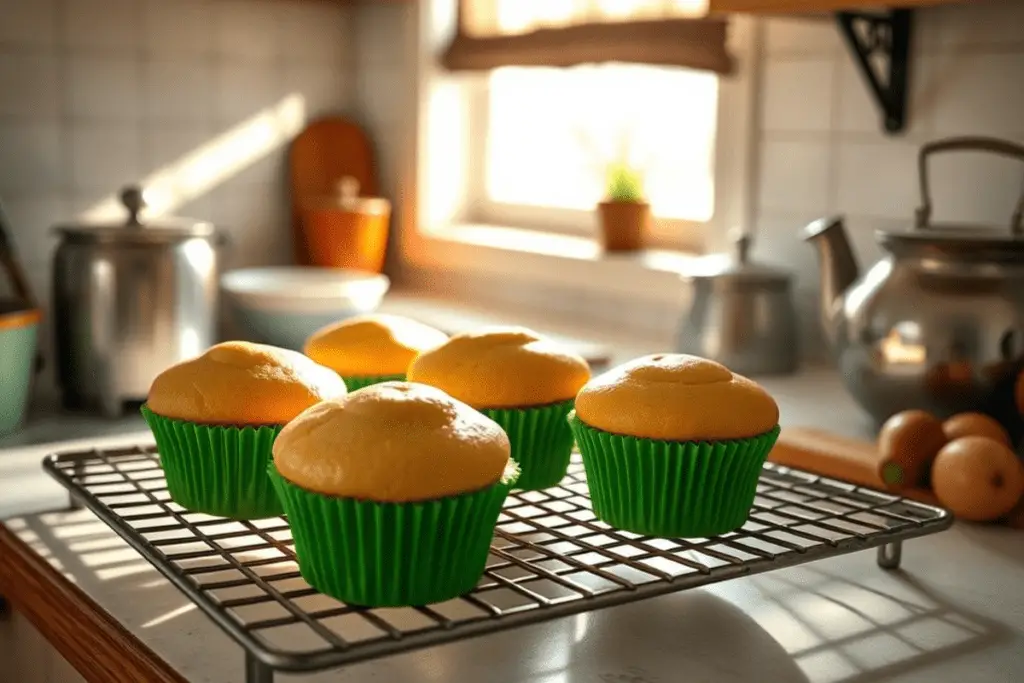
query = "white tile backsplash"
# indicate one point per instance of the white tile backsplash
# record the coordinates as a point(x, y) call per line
point(324, 90)
point(981, 93)
point(876, 179)
point(177, 90)
point(317, 34)
point(798, 94)
point(966, 78)
point(248, 30)
point(817, 36)
point(102, 25)
point(31, 24)
point(980, 25)
point(28, 81)
point(32, 158)
point(105, 87)
point(243, 90)
point(180, 28)
point(795, 175)
point(104, 158)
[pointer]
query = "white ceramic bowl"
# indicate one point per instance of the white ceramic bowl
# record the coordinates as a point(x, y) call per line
point(283, 305)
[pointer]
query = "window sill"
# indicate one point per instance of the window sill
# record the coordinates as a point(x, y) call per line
point(556, 261)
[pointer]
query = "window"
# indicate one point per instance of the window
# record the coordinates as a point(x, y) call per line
point(549, 135)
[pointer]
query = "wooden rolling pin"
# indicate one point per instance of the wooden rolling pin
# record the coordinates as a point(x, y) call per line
point(838, 457)
point(852, 460)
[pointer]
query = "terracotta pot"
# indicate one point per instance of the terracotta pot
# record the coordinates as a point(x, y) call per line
point(624, 225)
point(346, 231)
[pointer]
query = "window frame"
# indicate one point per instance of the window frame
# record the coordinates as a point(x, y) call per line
point(437, 239)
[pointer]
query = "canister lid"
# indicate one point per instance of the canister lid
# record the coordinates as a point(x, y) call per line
point(346, 198)
point(737, 268)
point(133, 230)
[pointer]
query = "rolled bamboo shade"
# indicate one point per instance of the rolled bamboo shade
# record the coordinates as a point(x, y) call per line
point(561, 33)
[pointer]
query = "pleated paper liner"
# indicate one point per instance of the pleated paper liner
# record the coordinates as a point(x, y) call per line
point(353, 382)
point(217, 470)
point(541, 441)
point(668, 488)
point(391, 554)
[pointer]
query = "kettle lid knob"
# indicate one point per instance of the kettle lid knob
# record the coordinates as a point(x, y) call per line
point(134, 200)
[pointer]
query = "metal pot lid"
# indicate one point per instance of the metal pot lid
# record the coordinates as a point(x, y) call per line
point(965, 243)
point(737, 268)
point(346, 198)
point(134, 230)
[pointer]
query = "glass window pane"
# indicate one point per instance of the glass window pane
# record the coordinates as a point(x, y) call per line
point(552, 133)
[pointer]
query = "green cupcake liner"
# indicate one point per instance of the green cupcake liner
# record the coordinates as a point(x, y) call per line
point(353, 382)
point(671, 488)
point(391, 554)
point(217, 470)
point(541, 441)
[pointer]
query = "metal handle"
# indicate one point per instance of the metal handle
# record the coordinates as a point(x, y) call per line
point(134, 200)
point(964, 144)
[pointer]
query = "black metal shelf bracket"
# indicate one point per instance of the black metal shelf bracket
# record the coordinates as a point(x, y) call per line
point(880, 46)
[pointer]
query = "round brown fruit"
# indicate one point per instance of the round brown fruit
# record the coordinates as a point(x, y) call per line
point(975, 424)
point(978, 478)
point(907, 444)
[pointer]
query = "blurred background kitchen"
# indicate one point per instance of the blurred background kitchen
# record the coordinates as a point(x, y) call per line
point(311, 133)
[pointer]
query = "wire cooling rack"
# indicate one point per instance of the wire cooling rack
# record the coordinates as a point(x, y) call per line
point(550, 557)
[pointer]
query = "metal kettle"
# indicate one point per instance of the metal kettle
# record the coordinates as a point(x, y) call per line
point(741, 314)
point(938, 323)
point(129, 300)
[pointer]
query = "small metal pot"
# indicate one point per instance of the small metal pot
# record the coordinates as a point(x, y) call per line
point(741, 314)
point(129, 300)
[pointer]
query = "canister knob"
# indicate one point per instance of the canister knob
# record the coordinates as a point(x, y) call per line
point(742, 241)
point(134, 200)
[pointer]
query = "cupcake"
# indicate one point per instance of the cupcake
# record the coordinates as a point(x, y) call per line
point(215, 418)
point(521, 381)
point(673, 445)
point(368, 349)
point(392, 493)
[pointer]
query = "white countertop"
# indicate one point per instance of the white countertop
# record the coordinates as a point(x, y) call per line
point(955, 612)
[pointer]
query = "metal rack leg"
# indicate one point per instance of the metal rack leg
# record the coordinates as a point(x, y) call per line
point(79, 470)
point(256, 671)
point(889, 555)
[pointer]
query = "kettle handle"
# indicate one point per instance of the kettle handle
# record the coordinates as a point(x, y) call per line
point(974, 144)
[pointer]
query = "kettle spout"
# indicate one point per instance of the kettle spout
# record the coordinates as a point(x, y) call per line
point(838, 268)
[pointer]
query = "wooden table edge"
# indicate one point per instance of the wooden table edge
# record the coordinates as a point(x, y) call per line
point(85, 634)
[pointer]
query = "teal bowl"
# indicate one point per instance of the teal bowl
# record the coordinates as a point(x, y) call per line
point(18, 342)
point(284, 305)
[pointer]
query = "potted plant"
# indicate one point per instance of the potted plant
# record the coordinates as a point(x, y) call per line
point(625, 213)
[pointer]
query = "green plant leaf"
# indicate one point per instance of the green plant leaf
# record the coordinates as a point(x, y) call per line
point(624, 184)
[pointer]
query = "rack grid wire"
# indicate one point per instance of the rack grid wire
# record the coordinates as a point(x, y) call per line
point(550, 557)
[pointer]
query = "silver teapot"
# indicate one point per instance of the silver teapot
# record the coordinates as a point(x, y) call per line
point(938, 323)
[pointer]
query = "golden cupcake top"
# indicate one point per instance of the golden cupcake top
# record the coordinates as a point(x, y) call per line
point(240, 383)
point(368, 345)
point(502, 367)
point(393, 442)
point(676, 397)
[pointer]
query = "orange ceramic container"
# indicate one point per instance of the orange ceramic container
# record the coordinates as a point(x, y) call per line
point(346, 231)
